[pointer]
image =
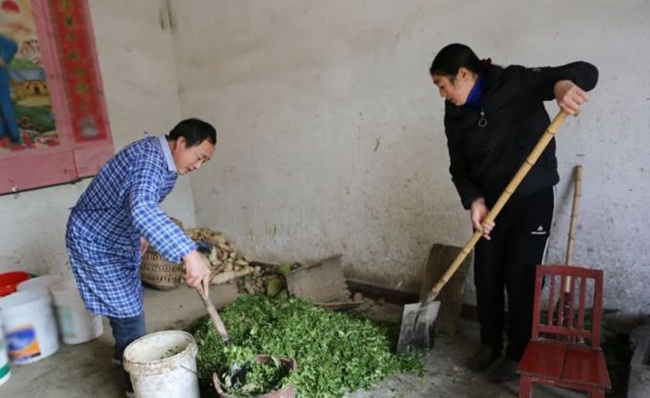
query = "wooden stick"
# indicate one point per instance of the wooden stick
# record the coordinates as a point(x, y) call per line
point(577, 193)
point(546, 138)
point(214, 315)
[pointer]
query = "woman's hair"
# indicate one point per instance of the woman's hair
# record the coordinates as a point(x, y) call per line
point(194, 131)
point(453, 57)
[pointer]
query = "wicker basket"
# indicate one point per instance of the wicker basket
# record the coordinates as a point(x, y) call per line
point(159, 273)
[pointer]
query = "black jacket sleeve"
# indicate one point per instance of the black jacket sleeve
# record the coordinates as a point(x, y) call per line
point(542, 80)
point(467, 189)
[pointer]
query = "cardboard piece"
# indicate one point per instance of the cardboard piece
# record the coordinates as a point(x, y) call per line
point(321, 282)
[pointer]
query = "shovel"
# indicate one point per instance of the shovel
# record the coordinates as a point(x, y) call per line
point(238, 371)
point(205, 248)
point(214, 315)
point(418, 319)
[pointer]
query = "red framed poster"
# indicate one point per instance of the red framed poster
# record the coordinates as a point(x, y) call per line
point(54, 125)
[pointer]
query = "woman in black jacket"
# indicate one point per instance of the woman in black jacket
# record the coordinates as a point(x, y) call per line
point(494, 116)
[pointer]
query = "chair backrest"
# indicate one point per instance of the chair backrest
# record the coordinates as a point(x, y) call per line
point(573, 311)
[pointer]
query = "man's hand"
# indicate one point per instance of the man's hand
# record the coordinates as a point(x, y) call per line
point(197, 272)
point(477, 213)
point(569, 96)
point(144, 245)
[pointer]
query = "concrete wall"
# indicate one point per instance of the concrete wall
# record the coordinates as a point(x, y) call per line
point(331, 134)
point(137, 66)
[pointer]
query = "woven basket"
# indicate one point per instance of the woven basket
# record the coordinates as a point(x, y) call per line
point(159, 273)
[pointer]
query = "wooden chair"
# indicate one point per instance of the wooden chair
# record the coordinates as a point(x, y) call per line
point(564, 349)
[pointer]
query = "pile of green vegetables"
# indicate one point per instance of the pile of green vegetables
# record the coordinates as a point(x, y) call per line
point(249, 378)
point(335, 352)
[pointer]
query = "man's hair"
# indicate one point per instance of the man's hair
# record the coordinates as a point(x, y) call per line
point(195, 131)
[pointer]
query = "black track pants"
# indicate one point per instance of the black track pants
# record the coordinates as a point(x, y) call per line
point(508, 261)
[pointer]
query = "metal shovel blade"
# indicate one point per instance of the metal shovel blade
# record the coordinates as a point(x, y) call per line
point(418, 326)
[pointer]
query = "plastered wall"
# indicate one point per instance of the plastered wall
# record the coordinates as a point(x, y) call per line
point(331, 131)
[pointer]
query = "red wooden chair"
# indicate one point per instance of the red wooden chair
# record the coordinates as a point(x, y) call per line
point(564, 349)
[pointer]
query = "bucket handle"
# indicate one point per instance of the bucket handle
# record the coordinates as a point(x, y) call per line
point(190, 370)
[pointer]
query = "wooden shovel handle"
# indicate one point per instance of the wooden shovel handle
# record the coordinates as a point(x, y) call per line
point(214, 315)
point(503, 199)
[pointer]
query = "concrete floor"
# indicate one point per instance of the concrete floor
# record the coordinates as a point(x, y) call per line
point(85, 370)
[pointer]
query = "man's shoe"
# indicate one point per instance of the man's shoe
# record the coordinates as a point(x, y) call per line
point(128, 387)
point(483, 358)
point(504, 370)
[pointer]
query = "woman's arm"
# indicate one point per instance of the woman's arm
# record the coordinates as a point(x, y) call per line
point(542, 81)
point(467, 189)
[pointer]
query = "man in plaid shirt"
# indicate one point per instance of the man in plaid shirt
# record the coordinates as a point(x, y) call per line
point(119, 215)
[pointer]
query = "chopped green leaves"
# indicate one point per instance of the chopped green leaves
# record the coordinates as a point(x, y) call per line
point(335, 352)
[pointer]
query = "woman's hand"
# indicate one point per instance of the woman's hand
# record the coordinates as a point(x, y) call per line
point(197, 272)
point(569, 96)
point(477, 213)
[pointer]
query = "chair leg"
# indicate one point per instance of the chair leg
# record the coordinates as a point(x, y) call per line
point(525, 387)
point(597, 393)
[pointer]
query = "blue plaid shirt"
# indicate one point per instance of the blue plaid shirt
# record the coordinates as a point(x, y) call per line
point(104, 229)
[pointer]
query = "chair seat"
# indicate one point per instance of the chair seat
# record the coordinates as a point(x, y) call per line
point(586, 366)
point(543, 358)
point(565, 363)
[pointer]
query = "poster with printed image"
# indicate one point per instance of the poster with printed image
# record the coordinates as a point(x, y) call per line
point(26, 116)
point(53, 119)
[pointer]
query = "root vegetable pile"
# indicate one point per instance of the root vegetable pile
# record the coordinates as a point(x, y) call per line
point(225, 262)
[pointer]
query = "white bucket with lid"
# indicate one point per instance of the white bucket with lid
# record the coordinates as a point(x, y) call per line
point(163, 364)
point(75, 323)
point(29, 326)
point(5, 370)
point(41, 283)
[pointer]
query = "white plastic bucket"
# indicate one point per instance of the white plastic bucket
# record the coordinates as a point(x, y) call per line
point(163, 364)
point(5, 370)
point(29, 326)
point(40, 283)
point(75, 323)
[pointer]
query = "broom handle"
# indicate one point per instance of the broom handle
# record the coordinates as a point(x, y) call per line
point(577, 193)
point(503, 199)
